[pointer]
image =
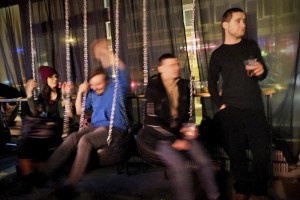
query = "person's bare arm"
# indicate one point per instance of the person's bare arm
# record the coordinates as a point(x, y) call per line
point(30, 86)
point(83, 88)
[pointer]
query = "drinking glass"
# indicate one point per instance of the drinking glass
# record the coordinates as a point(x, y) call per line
point(250, 62)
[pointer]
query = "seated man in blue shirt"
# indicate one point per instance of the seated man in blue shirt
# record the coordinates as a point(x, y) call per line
point(100, 91)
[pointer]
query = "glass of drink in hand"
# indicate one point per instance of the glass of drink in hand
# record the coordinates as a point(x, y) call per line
point(204, 86)
point(189, 130)
point(250, 62)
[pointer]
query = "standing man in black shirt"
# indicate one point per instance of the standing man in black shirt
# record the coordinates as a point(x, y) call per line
point(241, 112)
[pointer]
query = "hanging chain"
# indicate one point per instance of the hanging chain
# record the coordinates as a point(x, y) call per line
point(85, 60)
point(145, 53)
point(32, 50)
point(145, 44)
point(116, 67)
point(191, 71)
point(68, 69)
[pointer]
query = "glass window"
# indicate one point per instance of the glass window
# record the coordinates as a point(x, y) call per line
point(251, 7)
point(287, 6)
point(220, 9)
point(267, 4)
point(188, 15)
point(204, 12)
point(106, 3)
point(108, 30)
point(235, 5)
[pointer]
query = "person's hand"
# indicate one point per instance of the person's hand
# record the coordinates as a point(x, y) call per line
point(222, 107)
point(83, 88)
point(190, 132)
point(256, 70)
point(181, 145)
point(66, 87)
point(31, 85)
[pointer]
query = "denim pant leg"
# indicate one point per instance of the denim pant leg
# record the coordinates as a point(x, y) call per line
point(92, 140)
point(204, 169)
point(181, 178)
point(63, 152)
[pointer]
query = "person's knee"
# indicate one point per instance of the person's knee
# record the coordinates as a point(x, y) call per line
point(84, 142)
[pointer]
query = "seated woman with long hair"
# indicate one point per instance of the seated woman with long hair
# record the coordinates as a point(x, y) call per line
point(42, 129)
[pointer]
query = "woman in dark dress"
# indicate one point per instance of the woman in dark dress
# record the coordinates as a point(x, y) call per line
point(42, 129)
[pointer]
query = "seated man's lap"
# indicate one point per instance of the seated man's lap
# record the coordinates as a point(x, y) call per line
point(97, 137)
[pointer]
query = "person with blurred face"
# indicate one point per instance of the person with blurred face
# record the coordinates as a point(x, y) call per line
point(241, 110)
point(99, 90)
point(166, 112)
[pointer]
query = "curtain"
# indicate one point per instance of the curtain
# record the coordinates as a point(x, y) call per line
point(49, 34)
point(275, 26)
point(11, 47)
point(166, 34)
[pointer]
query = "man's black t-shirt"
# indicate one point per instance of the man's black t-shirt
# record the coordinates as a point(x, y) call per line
point(238, 90)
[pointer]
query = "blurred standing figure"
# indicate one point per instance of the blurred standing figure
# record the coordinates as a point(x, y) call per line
point(241, 110)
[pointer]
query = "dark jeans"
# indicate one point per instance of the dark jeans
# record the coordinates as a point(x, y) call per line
point(181, 175)
point(247, 129)
point(83, 142)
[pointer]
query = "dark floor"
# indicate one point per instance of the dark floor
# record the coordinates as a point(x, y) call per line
point(106, 183)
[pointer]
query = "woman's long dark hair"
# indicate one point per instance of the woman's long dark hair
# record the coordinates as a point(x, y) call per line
point(46, 94)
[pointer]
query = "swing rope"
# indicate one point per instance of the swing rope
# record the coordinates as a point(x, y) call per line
point(145, 44)
point(145, 53)
point(85, 61)
point(191, 70)
point(116, 69)
point(68, 69)
point(32, 51)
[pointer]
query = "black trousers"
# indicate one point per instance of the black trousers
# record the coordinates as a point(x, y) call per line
point(247, 129)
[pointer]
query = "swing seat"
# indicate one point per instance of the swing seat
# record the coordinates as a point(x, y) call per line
point(147, 150)
point(120, 149)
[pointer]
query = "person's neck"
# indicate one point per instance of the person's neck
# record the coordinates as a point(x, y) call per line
point(53, 90)
point(167, 80)
point(232, 40)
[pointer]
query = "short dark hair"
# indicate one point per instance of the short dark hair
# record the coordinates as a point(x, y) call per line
point(228, 14)
point(97, 71)
point(165, 56)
